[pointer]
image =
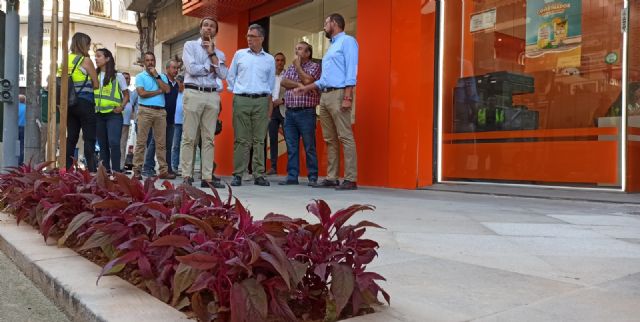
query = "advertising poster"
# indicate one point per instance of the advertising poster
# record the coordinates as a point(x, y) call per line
point(554, 34)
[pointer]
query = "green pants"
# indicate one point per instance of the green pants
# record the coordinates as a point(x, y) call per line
point(250, 123)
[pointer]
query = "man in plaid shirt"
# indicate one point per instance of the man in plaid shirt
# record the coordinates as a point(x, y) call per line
point(300, 118)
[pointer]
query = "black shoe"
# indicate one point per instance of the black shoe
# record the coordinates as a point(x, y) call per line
point(188, 181)
point(313, 182)
point(261, 181)
point(347, 185)
point(237, 181)
point(327, 184)
point(288, 182)
point(214, 183)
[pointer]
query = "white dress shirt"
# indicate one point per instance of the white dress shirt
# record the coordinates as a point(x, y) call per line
point(198, 65)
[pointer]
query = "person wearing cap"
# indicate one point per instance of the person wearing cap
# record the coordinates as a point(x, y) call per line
point(203, 63)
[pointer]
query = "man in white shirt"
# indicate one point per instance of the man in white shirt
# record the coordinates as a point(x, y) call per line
point(277, 115)
point(203, 63)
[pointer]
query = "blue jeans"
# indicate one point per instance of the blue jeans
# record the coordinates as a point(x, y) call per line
point(108, 132)
point(150, 154)
point(301, 123)
point(177, 141)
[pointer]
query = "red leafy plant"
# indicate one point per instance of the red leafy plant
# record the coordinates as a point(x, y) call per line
point(201, 253)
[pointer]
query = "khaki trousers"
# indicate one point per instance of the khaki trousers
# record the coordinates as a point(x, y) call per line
point(201, 111)
point(156, 119)
point(124, 138)
point(250, 124)
point(336, 129)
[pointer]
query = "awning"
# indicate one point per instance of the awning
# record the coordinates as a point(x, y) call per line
point(217, 8)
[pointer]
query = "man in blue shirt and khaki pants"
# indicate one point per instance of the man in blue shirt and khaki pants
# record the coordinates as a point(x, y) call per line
point(338, 79)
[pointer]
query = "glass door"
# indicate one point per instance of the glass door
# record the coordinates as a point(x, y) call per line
point(529, 92)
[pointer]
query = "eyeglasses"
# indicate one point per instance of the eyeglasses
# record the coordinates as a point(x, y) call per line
point(253, 36)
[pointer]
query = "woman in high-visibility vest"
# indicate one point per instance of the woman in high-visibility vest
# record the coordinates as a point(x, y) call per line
point(82, 114)
point(111, 97)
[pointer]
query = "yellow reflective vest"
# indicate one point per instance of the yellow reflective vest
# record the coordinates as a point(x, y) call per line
point(81, 81)
point(108, 97)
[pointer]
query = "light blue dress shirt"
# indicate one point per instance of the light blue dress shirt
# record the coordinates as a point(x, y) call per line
point(130, 108)
point(251, 73)
point(148, 83)
point(198, 65)
point(340, 63)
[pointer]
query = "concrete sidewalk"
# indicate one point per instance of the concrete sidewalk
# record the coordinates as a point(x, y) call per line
point(457, 257)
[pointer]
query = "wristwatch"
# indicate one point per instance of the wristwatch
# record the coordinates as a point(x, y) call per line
point(158, 77)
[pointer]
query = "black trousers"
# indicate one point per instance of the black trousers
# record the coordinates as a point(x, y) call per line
point(276, 122)
point(82, 116)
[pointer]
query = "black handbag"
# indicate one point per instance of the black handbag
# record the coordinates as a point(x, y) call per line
point(72, 96)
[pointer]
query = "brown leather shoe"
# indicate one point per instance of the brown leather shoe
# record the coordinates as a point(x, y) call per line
point(326, 183)
point(136, 175)
point(167, 175)
point(347, 185)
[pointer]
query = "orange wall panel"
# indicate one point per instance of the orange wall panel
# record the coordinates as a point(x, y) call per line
point(406, 98)
point(427, 91)
point(373, 92)
point(539, 162)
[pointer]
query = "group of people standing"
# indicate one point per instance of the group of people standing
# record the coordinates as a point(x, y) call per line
point(176, 114)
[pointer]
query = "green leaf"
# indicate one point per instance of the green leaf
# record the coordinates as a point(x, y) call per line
point(182, 280)
point(100, 239)
point(184, 302)
point(330, 314)
point(248, 301)
point(342, 283)
point(77, 222)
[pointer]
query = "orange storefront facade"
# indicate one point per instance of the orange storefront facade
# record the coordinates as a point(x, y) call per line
point(499, 91)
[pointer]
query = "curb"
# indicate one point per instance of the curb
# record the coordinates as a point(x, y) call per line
point(69, 280)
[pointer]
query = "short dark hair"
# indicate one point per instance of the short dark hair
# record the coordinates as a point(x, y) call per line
point(257, 27)
point(338, 19)
point(280, 54)
point(126, 73)
point(209, 18)
point(150, 53)
point(309, 47)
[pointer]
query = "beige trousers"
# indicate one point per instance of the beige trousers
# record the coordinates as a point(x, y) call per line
point(200, 112)
point(156, 119)
point(336, 129)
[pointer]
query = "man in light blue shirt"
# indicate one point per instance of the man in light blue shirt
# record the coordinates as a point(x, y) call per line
point(152, 115)
point(251, 79)
point(337, 82)
point(22, 121)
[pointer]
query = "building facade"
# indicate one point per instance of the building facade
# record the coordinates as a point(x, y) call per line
point(515, 92)
point(109, 24)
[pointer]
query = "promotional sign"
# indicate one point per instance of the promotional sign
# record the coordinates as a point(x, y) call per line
point(554, 34)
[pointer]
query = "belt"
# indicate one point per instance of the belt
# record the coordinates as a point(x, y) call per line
point(253, 95)
point(200, 88)
point(331, 89)
point(299, 108)
point(152, 107)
